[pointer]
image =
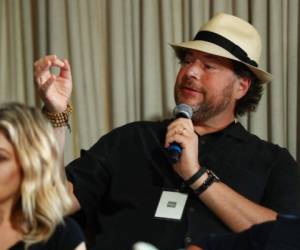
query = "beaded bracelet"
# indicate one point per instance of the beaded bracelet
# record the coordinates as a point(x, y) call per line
point(60, 119)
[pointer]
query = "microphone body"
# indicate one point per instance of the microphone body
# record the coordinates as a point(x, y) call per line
point(180, 111)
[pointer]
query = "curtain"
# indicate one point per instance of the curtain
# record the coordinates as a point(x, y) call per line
point(124, 69)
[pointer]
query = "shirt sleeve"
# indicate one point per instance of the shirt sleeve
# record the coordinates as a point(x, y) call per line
point(282, 192)
point(90, 177)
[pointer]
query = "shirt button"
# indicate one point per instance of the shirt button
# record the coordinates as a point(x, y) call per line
point(188, 240)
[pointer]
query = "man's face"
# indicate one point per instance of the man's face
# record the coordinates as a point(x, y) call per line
point(206, 83)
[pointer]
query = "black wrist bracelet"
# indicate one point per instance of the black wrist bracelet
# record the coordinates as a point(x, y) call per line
point(195, 176)
point(210, 179)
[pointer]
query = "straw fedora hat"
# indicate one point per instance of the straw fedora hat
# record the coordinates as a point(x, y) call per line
point(230, 37)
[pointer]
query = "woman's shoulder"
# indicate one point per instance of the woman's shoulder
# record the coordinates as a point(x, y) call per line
point(67, 236)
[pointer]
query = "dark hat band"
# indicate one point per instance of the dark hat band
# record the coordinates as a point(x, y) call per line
point(226, 44)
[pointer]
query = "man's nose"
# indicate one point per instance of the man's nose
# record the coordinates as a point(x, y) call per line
point(194, 71)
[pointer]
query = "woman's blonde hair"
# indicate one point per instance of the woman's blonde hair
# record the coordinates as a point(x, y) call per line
point(44, 199)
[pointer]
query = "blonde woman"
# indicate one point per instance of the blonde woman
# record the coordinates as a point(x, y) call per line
point(33, 198)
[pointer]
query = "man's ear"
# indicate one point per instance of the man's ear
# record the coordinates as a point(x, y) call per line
point(243, 86)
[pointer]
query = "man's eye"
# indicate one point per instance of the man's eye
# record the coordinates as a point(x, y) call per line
point(185, 61)
point(208, 66)
point(3, 158)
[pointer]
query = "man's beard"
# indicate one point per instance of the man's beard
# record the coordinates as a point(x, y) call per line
point(210, 106)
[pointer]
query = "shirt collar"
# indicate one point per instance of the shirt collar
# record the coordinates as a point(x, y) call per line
point(236, 130)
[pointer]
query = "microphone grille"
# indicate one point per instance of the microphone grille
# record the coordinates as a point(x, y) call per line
point(183, 110)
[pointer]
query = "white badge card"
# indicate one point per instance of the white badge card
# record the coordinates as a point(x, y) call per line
point(171, 205)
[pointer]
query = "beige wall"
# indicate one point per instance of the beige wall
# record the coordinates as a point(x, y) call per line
point(123, 68)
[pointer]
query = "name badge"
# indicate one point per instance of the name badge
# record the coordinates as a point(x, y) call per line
point(171, 205)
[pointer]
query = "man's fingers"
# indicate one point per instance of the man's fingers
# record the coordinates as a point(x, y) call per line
point(46, 62)
point(65, 71)
point(46, 85)
point(43, 77)
point(175, 136)
point(183, 122)
point(178, 133)
point(66, 64)
point(53, 60)
point(42, 68)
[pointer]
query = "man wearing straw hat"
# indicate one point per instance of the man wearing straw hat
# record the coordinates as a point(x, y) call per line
point(225, 180)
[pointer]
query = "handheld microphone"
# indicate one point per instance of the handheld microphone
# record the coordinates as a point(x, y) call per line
point(180, 111)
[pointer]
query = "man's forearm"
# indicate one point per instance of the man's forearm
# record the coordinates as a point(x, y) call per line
point(60, 134)
point(236, 211)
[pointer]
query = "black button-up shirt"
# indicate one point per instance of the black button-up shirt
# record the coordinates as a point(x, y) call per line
point(119, 181)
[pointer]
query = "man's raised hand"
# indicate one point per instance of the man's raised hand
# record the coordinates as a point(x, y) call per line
point(55, 90)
